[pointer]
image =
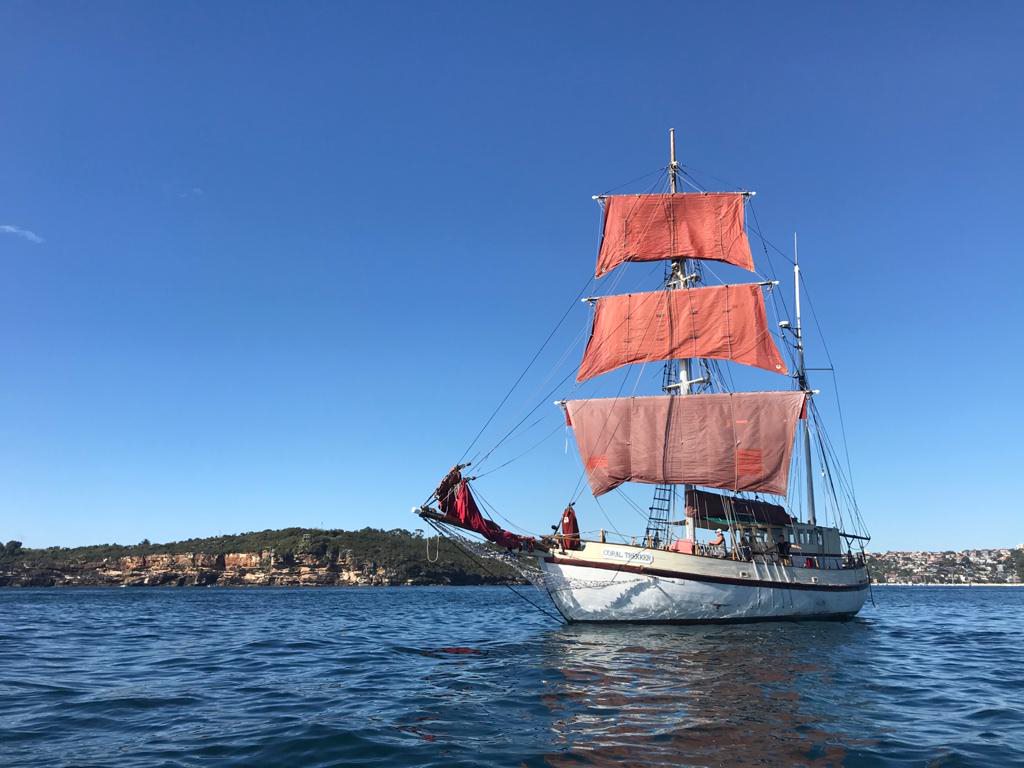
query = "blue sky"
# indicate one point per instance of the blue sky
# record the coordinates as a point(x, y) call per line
point(274, 264)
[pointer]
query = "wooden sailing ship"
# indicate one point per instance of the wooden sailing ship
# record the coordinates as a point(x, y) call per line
point(729, 457)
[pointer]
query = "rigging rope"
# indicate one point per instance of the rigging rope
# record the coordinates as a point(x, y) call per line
point(552, 433)
point(494, 513)
point(835, 381)
point(527, 368)
point(491, 573)
point(824, 442)
point(578, 296)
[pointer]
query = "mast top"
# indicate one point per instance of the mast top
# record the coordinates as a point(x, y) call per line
point(673, 166)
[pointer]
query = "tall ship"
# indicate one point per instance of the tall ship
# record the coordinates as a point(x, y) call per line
point(753, 516)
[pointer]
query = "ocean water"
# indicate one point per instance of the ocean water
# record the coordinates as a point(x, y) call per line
point(476, 677)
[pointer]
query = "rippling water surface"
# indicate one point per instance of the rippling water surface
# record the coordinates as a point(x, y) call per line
point(475, 677)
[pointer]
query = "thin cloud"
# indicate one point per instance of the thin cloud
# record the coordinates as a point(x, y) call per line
point(28, 234)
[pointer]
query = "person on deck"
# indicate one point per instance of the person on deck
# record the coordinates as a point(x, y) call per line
point(570, 529)
point(746, 546)
point(718, 543)
point(782, 546)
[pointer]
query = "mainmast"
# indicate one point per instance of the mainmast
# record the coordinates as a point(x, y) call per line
point(802, 381)
point(745, 439)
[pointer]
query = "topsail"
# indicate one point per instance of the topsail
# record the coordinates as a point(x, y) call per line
point(727, 322)
point(674, 226)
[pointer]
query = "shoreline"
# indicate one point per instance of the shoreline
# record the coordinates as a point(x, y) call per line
point(936, 584)
point(240, 587)
point(420, 585)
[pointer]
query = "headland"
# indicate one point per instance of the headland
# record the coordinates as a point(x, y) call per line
point(287, 557)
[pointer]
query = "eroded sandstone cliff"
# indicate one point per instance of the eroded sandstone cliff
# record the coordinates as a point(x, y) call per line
point(260, 568)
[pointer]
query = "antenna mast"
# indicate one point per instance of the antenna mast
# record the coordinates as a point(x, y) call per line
point(802, 381)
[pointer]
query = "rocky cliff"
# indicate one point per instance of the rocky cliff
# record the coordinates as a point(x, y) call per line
point(374, 558)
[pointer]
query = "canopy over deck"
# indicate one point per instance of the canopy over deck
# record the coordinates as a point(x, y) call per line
point(716, 510)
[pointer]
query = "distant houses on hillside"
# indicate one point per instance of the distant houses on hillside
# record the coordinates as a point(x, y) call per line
point(971, 566)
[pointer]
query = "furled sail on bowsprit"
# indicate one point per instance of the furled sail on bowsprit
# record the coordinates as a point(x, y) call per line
point(690, 225)
point(459, 508)
point(727, 322)
point(736, 441)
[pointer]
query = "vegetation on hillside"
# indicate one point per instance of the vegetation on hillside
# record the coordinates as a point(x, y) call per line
point(1017, 557)
point(401, 552)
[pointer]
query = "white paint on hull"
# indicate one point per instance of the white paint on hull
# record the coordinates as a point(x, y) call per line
point(587, 593)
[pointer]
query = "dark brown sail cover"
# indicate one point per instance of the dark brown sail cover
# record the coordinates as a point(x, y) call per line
point(727, 322)
point(684, 225)
point(738, 441)
point(705, 505)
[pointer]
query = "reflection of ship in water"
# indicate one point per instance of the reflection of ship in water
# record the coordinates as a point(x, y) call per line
point(670, 696)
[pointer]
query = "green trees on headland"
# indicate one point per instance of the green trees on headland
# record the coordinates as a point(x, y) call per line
point(10, 550)
point(398, 553)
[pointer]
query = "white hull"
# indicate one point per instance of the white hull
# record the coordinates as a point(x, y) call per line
point(609, 582)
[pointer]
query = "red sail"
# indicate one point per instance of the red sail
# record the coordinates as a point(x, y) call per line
point(726, 322)
point(458, 505)
point(690, 225)
point(741, 441)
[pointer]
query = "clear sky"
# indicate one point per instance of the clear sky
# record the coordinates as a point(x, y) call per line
point(271, 264)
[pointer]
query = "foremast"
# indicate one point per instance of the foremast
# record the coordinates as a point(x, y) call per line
point(735, 442)
point(677, 380)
